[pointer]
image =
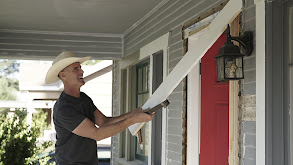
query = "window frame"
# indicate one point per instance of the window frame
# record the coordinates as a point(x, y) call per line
point(277, 121)
point(129, 63)
point(288, 80)
point(141, 65)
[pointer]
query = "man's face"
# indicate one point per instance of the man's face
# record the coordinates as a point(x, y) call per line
point(73, 75)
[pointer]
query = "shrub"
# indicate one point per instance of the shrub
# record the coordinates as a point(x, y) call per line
point(39, 120)
point(19, 141)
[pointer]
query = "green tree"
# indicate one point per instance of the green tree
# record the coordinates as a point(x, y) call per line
point(91, 62)
point(38, 120)
point(18, 141)
point(8, 67)
point(8, 85)
point(8, 88)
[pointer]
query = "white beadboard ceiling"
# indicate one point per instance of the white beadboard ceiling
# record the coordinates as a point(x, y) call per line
point(81, 16)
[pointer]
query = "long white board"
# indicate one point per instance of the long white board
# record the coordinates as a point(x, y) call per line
point(192, 57)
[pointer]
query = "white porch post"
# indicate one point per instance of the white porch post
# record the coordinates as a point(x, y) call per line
point(30, 111)
point(260, 82)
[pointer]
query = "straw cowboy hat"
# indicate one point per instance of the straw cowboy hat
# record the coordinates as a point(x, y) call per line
point(60, 62)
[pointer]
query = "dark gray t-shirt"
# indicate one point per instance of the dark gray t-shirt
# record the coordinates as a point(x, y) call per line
point(68, 113)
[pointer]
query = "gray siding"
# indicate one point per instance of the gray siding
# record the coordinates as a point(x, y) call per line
point(47, 45)
point(170, 17)
point(248, 18)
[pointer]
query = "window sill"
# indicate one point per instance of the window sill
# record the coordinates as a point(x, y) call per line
point(122, 161)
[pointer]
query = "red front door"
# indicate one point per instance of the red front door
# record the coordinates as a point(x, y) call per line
point(214, 140)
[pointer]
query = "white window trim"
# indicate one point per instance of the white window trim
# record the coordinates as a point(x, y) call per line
point(147, 51)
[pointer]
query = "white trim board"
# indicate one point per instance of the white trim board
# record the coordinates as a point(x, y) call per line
point(193, 108)
point(154, 46)
point(192, 57)
point(193, 116)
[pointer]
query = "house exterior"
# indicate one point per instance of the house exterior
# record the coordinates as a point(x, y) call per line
point(258, 105)
point(249, 122)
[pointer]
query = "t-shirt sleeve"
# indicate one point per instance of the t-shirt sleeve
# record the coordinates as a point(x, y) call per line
point(90, 101)
point(69, 117)
point(94, 108)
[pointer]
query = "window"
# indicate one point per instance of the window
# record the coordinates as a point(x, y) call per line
point(142, 94)
point(134, 89)
point(127, 103)
point(138, 81)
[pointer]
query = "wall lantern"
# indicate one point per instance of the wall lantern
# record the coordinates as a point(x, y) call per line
point(230, 60)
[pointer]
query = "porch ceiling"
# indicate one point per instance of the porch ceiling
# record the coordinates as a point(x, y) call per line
point(99, 18)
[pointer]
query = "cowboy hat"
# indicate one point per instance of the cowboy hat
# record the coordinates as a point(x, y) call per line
point(63, 60)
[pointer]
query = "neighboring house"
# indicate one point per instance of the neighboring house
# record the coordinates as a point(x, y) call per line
point(243, 122)
point(36, 94)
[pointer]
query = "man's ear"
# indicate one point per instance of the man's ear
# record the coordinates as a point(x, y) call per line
point(61, 75)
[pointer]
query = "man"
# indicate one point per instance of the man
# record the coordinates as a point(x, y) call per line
point(75, 115)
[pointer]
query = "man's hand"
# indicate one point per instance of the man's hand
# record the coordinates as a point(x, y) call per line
point(140, 116)
point(137, 110)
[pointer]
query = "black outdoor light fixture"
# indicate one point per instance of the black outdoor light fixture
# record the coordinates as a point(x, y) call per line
point(230, 60)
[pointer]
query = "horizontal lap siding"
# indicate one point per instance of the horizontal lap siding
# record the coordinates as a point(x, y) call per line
point(170, 18)
point(47, 45)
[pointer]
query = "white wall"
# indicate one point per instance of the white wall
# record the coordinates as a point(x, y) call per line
point(100, 90)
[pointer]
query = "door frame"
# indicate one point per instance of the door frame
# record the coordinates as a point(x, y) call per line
point(193, 112)
point(193, 116)
point(194, 109)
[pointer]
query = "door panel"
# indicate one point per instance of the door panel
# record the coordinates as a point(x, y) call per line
point(222, 142)
point(214, 145)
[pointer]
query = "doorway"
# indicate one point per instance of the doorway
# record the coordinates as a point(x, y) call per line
point(208, 110)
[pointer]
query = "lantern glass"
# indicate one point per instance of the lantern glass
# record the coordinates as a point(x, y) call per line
point(220, 69)
point(233, 67)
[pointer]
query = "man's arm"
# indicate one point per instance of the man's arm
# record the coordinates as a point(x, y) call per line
point(88, 129)
point(101, 119)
